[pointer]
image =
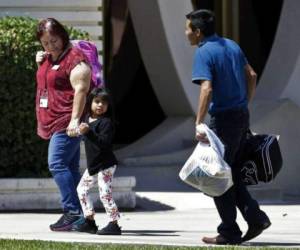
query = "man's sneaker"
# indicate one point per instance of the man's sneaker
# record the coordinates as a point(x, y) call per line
point(110, 229)
point(66, 222)
point(89, 226)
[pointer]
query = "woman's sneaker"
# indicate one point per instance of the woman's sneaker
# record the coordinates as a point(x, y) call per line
point(110, 229)
point(67, 222)
point(89, 226)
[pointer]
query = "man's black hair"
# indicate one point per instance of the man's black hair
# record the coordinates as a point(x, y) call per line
point(204, 20)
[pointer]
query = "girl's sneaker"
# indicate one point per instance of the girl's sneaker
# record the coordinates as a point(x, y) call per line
point(110, 229)
point(89, 226)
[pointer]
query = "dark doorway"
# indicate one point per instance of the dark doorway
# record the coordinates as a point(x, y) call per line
point(136, 106)
point(258, 25)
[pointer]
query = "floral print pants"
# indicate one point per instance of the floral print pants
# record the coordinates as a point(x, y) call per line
point(87, 181)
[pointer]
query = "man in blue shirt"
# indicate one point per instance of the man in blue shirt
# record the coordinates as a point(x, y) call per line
point(227, 83)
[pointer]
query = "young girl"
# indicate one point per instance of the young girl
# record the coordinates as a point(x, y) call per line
point(101, 163)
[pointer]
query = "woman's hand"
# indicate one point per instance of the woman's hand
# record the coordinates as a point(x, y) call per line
point(40, 56)
point(80, 80)
point(72, 129)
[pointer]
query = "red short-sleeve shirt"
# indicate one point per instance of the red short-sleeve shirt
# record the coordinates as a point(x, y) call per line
point(54, 86)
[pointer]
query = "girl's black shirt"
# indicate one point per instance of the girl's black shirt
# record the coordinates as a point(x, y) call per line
point(98, 145)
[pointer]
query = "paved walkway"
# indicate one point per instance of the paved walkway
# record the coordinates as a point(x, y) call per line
point(160, 218)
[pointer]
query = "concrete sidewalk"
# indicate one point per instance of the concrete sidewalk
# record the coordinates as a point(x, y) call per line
point(162, 219)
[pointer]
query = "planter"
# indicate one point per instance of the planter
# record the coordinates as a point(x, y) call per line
point(43, 194)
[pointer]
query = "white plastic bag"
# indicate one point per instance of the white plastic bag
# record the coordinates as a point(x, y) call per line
point(206, 169)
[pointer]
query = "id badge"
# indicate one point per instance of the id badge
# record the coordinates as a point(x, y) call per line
point(44, 100)
point(56, 67)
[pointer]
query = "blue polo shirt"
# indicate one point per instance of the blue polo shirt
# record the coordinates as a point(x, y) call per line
point(222, 62)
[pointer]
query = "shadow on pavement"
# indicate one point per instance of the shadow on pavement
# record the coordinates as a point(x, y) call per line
point(149, 233)
point(144, 205)
point(268, 244)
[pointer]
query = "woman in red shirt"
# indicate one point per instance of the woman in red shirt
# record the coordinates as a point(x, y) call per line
point(63, 81)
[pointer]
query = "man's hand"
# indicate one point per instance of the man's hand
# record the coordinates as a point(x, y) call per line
point(72, 129)
point(201, 136)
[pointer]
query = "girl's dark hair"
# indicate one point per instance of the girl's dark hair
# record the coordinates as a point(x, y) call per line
point(104, 95)
point(204, 20)
point(54, 27)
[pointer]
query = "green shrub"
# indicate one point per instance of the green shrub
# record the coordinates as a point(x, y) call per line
point(22, 152)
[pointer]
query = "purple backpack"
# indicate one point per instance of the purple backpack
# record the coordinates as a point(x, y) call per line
point(91, 52)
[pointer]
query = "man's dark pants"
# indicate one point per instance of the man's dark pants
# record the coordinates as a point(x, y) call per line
point(231, 127)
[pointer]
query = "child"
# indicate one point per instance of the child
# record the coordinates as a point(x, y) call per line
point(101, 163)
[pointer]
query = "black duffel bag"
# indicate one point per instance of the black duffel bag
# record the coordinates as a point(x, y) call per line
point(262, 159)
